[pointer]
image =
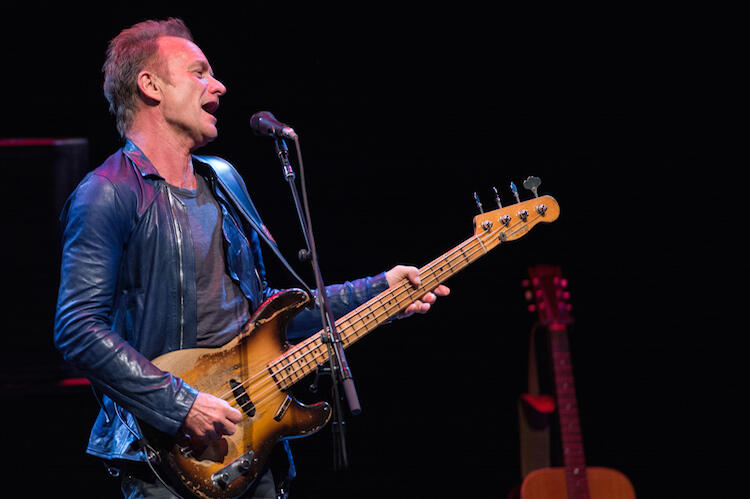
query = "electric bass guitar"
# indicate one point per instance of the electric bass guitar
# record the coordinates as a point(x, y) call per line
point(547, 288)
point(255, 371)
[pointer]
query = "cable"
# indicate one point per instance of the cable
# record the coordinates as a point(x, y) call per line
point(147, 450)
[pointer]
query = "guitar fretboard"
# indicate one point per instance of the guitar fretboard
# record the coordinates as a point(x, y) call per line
point(570, 428)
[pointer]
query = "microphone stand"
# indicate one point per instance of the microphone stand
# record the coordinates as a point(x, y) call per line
point(339, 367)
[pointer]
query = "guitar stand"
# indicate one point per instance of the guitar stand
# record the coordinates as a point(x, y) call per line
point(338, 365)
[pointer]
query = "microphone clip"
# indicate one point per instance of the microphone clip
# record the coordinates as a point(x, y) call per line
point(283, 153)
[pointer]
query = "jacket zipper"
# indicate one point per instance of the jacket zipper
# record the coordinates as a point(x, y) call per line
point(178, 235)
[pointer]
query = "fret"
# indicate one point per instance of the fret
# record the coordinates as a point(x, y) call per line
point(468, 261)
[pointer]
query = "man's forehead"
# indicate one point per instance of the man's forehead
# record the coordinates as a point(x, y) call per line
point(174, 46)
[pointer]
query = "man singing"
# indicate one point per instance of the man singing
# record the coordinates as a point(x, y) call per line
point(157, 258)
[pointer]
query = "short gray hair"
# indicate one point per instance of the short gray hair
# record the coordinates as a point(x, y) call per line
point(128, 53)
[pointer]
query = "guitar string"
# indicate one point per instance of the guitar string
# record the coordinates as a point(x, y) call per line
point(457, 253)
point(261, 392)
point(355, 318)
point(316, 346)
point(261, 396)
point(435, 275)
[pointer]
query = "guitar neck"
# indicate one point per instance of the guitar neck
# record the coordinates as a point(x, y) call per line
point(304, 358)
point(492, 228)
point(570, 428)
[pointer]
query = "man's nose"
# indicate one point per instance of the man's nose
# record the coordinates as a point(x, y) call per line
point(217, 86)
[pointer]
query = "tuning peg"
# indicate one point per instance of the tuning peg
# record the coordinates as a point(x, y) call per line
point(497, 198)
point(515, 192)
point(479, 203)
point(532, 184)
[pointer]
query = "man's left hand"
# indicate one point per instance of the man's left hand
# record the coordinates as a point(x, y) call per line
point(421, 306)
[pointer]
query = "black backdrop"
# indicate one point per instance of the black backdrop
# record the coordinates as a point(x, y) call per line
point(403, 114)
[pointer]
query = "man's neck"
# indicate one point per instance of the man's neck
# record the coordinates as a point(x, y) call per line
point(171, 158)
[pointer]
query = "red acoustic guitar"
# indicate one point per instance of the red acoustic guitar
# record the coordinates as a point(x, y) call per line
point(547, 289)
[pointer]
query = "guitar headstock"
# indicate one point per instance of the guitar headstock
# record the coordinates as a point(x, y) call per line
point(513, 222)
point(547, 291)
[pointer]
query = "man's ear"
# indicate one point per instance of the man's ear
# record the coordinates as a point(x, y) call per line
point(150, 85)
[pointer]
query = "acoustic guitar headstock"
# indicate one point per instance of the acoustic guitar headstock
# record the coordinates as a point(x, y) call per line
point(547, 292)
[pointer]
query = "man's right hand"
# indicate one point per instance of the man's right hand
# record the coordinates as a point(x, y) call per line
point(210, 418)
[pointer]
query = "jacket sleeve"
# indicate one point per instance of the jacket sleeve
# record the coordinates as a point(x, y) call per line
point(96, 224)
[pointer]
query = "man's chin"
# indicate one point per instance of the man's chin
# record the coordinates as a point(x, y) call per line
point(210, 136)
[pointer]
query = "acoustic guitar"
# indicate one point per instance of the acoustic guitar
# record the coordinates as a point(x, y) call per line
point(255, 371)
point(547, 289)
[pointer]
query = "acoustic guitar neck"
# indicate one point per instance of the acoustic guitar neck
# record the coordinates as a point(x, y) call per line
point(570, 428)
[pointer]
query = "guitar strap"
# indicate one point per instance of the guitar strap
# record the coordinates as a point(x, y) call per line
point(533, 419)
point(234, 189)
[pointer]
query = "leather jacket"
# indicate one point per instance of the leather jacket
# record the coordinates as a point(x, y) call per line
point(127, 292)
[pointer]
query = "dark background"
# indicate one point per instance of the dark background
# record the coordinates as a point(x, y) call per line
point(404, 113)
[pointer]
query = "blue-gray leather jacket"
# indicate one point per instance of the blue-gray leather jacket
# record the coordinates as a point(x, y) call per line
point(127, 292)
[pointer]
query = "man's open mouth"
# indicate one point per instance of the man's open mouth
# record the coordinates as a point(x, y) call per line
point(210, 107)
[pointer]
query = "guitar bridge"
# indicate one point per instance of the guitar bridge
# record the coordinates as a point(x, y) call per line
point(240, 466)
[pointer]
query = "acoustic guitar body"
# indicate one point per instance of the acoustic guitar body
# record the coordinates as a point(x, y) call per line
point(604, 483)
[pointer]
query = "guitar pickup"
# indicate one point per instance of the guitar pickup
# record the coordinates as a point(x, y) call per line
point(242, 398)
point(240, 466)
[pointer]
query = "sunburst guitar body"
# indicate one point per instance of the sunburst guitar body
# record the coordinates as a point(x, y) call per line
point(239, 373)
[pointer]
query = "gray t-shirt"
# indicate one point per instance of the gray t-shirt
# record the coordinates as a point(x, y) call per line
point(222, 308)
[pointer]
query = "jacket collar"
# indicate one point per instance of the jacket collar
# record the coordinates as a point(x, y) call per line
point(145, 167)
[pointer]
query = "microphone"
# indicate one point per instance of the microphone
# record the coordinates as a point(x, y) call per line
point(265, 124)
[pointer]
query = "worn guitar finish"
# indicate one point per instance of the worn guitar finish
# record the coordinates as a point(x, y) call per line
point(254, 371)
